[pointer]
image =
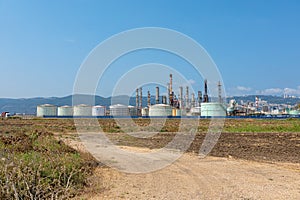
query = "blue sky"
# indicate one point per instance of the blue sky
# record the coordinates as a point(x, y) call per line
point(255, 44)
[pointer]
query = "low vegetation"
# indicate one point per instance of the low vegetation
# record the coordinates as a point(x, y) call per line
point(34, 165)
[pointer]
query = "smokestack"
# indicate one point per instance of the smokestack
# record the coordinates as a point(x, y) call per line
point(193, 100)
point(181, 96)
point(137, 98)
point(171, 90)
point(171, 82)
point(164, 99)
point(148, 99)
point(141, 98)
point(168, 91)
point(157, 95)
point(199, 98)
point(205, 87)
point(205, 92)
point(220, 91)
point(187, 96)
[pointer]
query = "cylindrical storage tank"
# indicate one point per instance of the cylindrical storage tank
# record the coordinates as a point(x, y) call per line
point(174, 112)
point(161, 110)
point(119, 110)
point(213, 110)
point(46, 110)
point(178, 112)
point(98, 111)
point(196, 111)
point(65, 111)
point(82, 110)
point(132, 110)
point(145, 112)
point(294, 112)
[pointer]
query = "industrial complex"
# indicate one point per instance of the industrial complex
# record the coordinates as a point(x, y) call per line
point(172, 105)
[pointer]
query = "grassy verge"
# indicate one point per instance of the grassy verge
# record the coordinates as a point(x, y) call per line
point(33, 165)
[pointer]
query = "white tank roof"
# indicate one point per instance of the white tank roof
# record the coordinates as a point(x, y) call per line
point(98, 106)
point(160, 105)
point(82, 105)
point(47, 105)
point(65, 106)
point(118, 106)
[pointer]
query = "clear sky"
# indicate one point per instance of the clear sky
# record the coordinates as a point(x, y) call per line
point(255, 43)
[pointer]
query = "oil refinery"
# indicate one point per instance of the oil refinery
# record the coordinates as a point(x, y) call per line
point(165, 106)
point(173, 105)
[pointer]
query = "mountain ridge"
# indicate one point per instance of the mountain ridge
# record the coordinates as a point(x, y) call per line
point(28, 105)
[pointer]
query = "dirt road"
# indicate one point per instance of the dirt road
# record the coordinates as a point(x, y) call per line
point(208, 178)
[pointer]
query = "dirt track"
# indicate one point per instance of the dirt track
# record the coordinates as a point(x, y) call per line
point(211, 178)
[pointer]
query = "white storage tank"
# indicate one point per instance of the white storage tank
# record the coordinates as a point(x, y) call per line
point(132, 110)
point(83, 110)
point(65, 111)
point(46, 110)
point(178, 112)
point(160, 110)
point(213, 109)
point(145, 112)
point(119, 110)
point(196, 111)
point(98, 110)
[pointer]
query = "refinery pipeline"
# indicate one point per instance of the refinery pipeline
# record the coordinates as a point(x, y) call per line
point(174, 105)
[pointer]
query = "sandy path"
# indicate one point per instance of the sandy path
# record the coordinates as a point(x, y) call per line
point(209, 178)
point(194, 178)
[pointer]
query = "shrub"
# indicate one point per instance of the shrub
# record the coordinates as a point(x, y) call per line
point(44, 169)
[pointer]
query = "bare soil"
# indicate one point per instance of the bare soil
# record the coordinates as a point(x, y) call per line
point(211, 178)
point(266, 147)
point(241, 166)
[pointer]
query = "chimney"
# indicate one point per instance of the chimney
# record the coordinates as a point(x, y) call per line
point(137, 98)
point(148, 99)
point(199, 98)
point(157, 95)
point(171, 90)
point(187, 96)
point(220, 92)
point(193, 100)
point(181, 96)
point(168, 92)
point(141, 98)
point(205, 92)
point(164, 99)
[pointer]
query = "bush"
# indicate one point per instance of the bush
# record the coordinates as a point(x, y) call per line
point(43, 169)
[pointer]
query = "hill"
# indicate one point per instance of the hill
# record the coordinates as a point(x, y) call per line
point(28, 105)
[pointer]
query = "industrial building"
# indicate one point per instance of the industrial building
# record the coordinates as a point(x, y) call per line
point(165, 106)
point(172, 105)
